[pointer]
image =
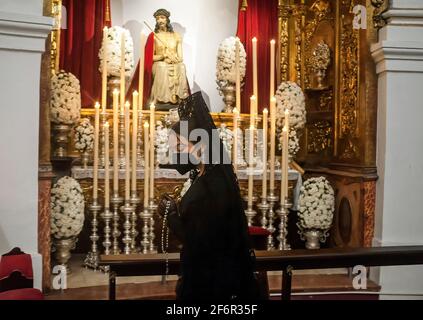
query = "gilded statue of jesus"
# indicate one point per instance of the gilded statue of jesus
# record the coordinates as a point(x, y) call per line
point(169, 75)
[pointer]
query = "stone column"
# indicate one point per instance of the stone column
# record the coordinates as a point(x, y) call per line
point(23, 32)
point(399, 65)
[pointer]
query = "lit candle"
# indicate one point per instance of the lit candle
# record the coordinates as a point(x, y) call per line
point(127, 152)
point(146, 163)
point(134, 140)
point(250, 166)
point(143, 41)
point(104, 72)
point(122, 72)
point(235, 137)
point(152, 162)
point(272, 143)
point(95, 165)
point(255, 86)
point(106, 167)
point(115, 142)
point(284, 171)
point(272, 68)
point(238, 76)
point(253, 100)
point(264, 181)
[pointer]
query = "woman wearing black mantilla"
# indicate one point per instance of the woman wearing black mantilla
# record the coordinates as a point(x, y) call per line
point(216, 259)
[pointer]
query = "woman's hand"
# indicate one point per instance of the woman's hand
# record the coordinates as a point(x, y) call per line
point(163, 203)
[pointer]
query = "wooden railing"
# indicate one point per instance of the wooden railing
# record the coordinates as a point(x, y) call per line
point(286, 261)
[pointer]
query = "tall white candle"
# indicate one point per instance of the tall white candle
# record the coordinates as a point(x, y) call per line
point(115, 141)
point(272, 68)
point(264, 180)
point(122, 72)
point(106, 167)
point(238, 76)
point(272, 142)
point(253, 100)
point(284, 171)
point(146, 163)
point(152, 161)
point(104, 72)
point(235, 137)
point(127, 152)
point(250, 166)
point(286, 143)
point(255, 85)
point(134, 140)
point(143, 40)
point(95, 165)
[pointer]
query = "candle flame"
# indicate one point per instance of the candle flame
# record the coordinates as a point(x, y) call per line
point(286, 112)
point(106, 124)
point(272, 41)
point(273, 99)
point(152, 106)
point(285, 129)
point(115, 92)
point(97, 105)
point(127, 104)
point(135, 93)
point(105, 29)
point(254, 39)
point(265, 110)
point(146, 125)
point(235, 110)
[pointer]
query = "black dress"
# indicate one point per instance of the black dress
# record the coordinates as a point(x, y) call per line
point(211, 224)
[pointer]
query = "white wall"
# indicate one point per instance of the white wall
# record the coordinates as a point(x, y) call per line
point(22, 40)
point(399, 214)
point(203, 25)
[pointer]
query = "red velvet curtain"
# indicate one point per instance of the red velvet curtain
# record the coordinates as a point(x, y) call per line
point(260, 20)
point(80, 43)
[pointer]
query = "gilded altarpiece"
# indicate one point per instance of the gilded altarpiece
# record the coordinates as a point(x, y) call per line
point(340, 136)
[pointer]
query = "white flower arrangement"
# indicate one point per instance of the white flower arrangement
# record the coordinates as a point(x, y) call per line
point(225, 65)
point(67, 208)
point(113, 50)
point(321, 57)
point(316, 204)
point(290, 96)
point(162, 143)
point(226, 135)
point(65, 104)
point(293, 143)
point(84, 136)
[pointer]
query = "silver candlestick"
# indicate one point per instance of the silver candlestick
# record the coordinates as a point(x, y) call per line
point(107, 216)
point(122, 140)
point(250, 212)
point(283, 225)
point(272, 199)
point(91, 259)
point(263, 206)
point(135, 201)
point(102, 139)
point(146, 216)
point(127, 240)
point(140, 154)
point(116, 201)
point(152, 207)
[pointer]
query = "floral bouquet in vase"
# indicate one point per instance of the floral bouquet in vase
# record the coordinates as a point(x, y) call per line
point(84, 139)
point(316, 207)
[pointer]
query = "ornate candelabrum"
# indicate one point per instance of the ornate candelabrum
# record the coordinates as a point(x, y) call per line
point(250, 212)
point(140, 154)
point(116, 202)
point(127, 210)
point(107, 216)
point(61, 139)
point(92, 258)
point(122, 140)
point(263, 206)
point(283, 225)
point(272, 200)
point(152, 207)
point(135, 201)
point(102, 138)
point(146, 216)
